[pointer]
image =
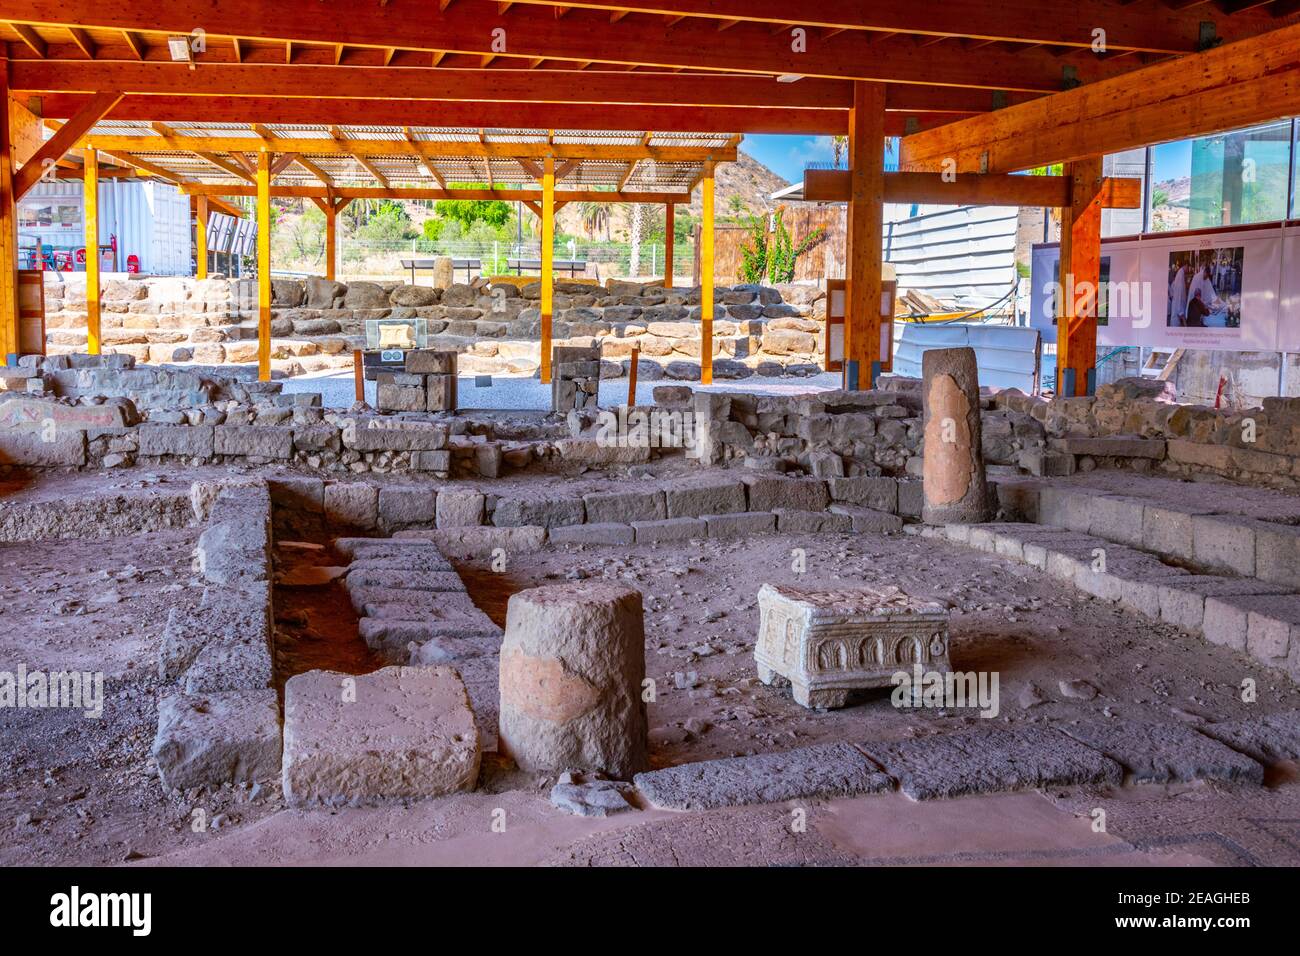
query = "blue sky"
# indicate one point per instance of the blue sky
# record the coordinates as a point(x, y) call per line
point(788, 155)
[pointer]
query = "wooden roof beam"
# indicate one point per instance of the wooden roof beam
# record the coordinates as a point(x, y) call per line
point(693, 44)
point(234, 168)
point(370, 192)
point(365, 164)
point(135, 42)
point(54, 148)
point(1238, 84)
point(31, 38)
point(83, 41)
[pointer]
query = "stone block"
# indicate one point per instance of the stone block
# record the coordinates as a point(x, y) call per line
point(542, 512)
point(294, 493)
point(790, 521)
point(481, 542)
point(622, 507)
point(459, 508)
point(182, 441)
point(820, 772)
point(401, 506)
point(435, 461)
point(868, 520)
point(572, 664)
point(207, 740)
point(1115, 519)
point(740, 524)
point(1167, 530)
point(671, 529)
point(253, 441)
point(828, 643)
point(352, 504)
point(1277, 553)
point(694, 498)
point(596, 534)
point(992, 760)
point(1224, 543)
point(1164, 753)
point(1182, 600)
point(767, 493)
point(400, 398)
point(440, 393)
point(403, 579)
point(66, 447)
point(879, 494)
point(431, 362)
point(414, 437)
point(1151, 448)
point(1270, 738)
point(911, 498)
point(403, 733)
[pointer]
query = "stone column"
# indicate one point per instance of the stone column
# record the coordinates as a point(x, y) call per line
point(572, 664)
point(956, 491)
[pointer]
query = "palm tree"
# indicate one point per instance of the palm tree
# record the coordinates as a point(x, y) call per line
point(595, 216)
point(839, 146)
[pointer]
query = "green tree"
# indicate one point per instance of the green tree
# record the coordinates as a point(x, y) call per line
point(783, 251)
point(494, 212)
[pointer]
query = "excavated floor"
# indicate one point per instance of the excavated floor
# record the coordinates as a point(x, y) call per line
point(74, 790)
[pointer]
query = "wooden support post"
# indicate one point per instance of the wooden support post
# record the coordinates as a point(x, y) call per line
point(264, 266)
point(358, 376)
point(865, 222)
point(1080, 281)
point(91, 218)
point(201, 237)
point(631, 377)
point(331, 237)
point(669, 216)
point(548, 260)
point(9, 349)
point(706, 276)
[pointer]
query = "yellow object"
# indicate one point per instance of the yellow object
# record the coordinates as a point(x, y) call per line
point(706, 277)
point(264, 266)
point(92, 251)
point(548, 259)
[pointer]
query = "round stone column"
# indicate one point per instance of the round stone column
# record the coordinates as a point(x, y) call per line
point(956, 491)
point(572, 663)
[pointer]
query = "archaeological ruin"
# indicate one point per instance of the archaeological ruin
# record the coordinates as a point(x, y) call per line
point(670, 561)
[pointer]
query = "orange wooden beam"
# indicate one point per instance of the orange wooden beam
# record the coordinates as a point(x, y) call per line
point(970, 189)
point(692, 43)
point(1080, 281)
point(865, 243)
point(62, 141)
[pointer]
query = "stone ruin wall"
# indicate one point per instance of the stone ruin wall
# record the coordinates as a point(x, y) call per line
point(317, 323)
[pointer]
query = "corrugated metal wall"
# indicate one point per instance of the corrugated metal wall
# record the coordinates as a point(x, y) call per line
point(963, 254)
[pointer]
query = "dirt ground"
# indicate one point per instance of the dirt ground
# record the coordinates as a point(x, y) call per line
point(75, 790)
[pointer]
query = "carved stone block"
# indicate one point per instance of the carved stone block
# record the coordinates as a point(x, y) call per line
point(827, 643)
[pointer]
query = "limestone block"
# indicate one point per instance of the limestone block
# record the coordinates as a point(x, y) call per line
point(1277, 553)
point(431, 362)
point(206, 740)
point(413, 436)
point(399, 733)
point(400, 398)
point(1224, 543)
point(459, 508)
point(185, 441)
point(572, 664)
point(1167, 530)
point(827, 643)
point(253, 441)
point(614, 507)
point(351, 504)
point(1116, 518)
point(406, 505)
point(440, 393)
point(66, 447)
point(294, 493)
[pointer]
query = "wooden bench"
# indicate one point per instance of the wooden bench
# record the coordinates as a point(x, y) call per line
point(574, 267)
point(469, 265)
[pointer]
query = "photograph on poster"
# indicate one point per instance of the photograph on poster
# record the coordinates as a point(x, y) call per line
point(1052, 309)
point(1205, 288)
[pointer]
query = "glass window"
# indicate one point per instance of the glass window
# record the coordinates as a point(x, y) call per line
point(1228, 179)
point(1131, 164)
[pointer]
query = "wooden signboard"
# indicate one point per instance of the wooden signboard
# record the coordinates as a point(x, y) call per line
point(31, 312)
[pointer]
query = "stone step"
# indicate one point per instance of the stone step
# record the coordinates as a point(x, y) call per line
point(1247, 614)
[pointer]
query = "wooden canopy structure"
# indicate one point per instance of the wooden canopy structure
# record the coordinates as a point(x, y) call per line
point(338, 99)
